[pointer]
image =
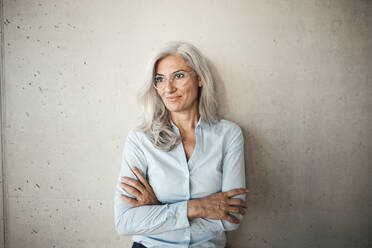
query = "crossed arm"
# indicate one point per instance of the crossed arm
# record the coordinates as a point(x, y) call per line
point(216, 206)
point(138, 211)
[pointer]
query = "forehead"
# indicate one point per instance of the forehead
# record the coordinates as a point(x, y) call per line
point(171, 63)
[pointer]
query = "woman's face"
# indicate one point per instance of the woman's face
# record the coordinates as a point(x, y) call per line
point(178, 99)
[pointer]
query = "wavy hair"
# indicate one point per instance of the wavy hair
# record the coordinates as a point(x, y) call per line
point(155, 116)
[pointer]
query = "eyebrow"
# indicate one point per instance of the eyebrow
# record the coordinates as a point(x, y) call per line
point(172, 72)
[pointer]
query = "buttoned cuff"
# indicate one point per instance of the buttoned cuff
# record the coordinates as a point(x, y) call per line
point(178, 211)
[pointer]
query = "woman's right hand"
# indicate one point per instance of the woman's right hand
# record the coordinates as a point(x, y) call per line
point(218, 206)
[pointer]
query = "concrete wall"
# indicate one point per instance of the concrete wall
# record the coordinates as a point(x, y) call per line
point(295, 75)
point(2, 111)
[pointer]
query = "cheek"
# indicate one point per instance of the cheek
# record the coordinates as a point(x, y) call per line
point(192, 94)
point(192, 91)
point(162, 96)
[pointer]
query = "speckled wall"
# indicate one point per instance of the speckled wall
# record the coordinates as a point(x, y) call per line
point(295, 75)
point(2, 219)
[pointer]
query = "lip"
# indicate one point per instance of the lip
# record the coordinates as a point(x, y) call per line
point(173, 98)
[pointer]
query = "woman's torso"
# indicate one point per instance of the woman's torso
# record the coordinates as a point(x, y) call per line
point(175, 177)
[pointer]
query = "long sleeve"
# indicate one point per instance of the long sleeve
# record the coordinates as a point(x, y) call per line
point(148, 219)
point(233, 177)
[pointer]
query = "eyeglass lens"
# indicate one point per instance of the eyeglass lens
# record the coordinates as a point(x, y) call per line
point(177, 78)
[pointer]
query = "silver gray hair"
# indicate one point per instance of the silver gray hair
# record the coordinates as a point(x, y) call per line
point(155, 116)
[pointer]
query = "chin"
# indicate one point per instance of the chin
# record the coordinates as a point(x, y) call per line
point(173, 108)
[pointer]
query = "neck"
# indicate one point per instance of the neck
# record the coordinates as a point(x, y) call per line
point(186, 120)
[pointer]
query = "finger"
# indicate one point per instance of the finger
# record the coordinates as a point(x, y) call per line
point(234, 192)
point(237, 202)
point(140, 176)
point(231, 219)
point(129, 200)
point(134, 183)
point(237, 210)
point(131, 190)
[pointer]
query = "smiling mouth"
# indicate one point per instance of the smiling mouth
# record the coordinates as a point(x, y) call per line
point(173, 98)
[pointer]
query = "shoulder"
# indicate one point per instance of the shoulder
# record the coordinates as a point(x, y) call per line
point(139, 139)
point(227, 127)
point(230, 125)
point(134, 137)
point(231, 132)
point(133, 143)
point(136, 134)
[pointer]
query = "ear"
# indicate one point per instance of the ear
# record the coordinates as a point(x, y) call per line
point(200, 83)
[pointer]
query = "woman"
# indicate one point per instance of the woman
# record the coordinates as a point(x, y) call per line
point(182, 177)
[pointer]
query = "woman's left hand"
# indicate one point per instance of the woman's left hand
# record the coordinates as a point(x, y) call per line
point(142, 191)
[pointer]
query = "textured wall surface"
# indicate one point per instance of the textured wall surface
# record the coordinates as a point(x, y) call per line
point(2, 161)
point(295, 75)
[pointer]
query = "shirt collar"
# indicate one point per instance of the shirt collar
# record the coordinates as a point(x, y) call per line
point(200, 123)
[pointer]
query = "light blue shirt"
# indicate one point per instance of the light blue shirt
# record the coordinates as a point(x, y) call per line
point(216, 165)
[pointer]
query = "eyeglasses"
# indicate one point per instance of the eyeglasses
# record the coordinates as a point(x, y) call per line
point(178, 79)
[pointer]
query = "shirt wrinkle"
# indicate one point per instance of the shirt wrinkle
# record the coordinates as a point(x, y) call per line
point(169, 175)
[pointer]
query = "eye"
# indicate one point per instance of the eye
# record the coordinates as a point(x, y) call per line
point(158, 79)
point(179, 75)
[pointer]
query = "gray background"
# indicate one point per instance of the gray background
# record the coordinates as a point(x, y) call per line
point(295, 75)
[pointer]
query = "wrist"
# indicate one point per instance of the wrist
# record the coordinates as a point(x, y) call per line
point(194, 209)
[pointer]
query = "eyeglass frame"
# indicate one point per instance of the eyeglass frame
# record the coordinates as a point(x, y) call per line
point(173, 74)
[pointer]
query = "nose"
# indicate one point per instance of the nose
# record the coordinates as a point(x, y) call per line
point(169, 87)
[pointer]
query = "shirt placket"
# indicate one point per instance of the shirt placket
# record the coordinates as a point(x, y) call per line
point(186, 168)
